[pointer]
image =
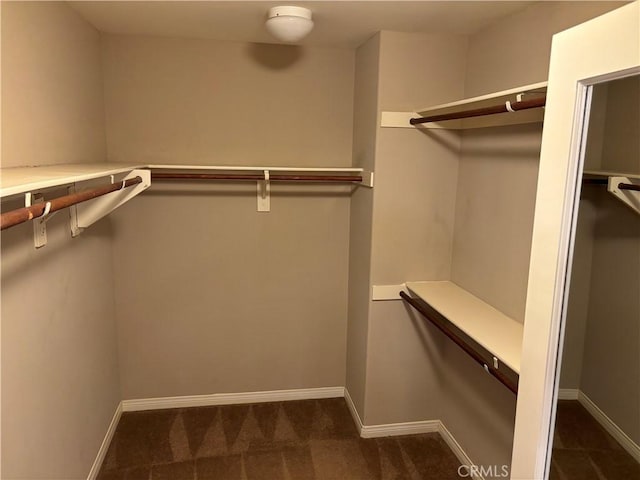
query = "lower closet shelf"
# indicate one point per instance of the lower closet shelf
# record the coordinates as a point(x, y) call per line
point(480, 324)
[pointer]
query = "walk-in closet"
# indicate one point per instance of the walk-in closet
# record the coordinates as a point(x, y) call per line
point(393, 240)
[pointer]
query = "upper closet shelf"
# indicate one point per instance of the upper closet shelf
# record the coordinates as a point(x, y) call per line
point(102, 188)
point(508, 107)
point(19, 180)
point(264, 176)
point(230, 168)
point(14, 181)
point(603, 174)
point(485, 326)
point(106, 186)
point(354, 175)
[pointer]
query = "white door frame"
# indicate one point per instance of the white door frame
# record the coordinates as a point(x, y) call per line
point(599, 50)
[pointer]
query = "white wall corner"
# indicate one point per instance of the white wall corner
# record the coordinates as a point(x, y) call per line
point(390, 429)
point(353, 410)
point(412, 428)
point(104, 447)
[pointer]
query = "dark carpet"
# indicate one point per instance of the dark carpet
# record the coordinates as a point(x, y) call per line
point(583, 450)
point(298, 440)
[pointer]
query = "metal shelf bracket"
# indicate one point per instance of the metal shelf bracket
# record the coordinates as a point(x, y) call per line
point(87, 213)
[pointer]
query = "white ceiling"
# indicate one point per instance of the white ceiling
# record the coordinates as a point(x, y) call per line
point(337, 23)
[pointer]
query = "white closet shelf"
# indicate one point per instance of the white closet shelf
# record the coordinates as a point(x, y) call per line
point(605, 174)
point(104, 187)
point(230, 168)
point(18, 180)
point(367, 176)
point(263, 176)
point(490, 328)
point(401, 119)
point(30, 181)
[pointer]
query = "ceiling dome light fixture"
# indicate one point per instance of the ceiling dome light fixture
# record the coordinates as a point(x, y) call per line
point(289, 24)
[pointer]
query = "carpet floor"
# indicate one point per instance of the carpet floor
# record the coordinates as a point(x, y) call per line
point(297, 440)
point(583, 450)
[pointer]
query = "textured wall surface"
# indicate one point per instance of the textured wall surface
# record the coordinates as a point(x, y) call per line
point(52, 97)
point(213, 296)
point(60, 384)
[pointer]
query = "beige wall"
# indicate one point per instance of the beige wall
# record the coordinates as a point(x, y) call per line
point(413, 209)
point(499, 166)
point(515, 50)
point(578, 306)
point(365, 128)
point(415, 189)
point(611, 363)
point(60, 385)
point(494, 214)
point(51, 74)
point(621, 146)
point(413, 372)
point(171, 100)
point(493, 227)
point(213, 296)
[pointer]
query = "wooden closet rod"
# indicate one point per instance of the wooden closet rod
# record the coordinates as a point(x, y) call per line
point(479, 112)
point(605, 181)
point(258, 177)
point(595, 181)
point(502, 378)
point(21, 215)
point(629, 186)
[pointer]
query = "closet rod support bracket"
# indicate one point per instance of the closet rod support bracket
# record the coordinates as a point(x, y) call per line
point(629, 197)
point(367, 179)
point(263, 188)
point(40, 223)
point(85, 214)
point(73, 212)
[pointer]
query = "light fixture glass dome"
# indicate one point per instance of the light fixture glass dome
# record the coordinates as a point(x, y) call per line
point(289, 24)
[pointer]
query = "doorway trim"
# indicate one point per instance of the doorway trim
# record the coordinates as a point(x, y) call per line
point(602, 49)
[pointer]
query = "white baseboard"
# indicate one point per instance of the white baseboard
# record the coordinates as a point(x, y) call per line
point(616, 432)
point(457, 450)
point(568, 394)
point(395, 429)
point(230, 398)
point(390, 429)
point(102, 451)
point(365, 431)
point(409, 428)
